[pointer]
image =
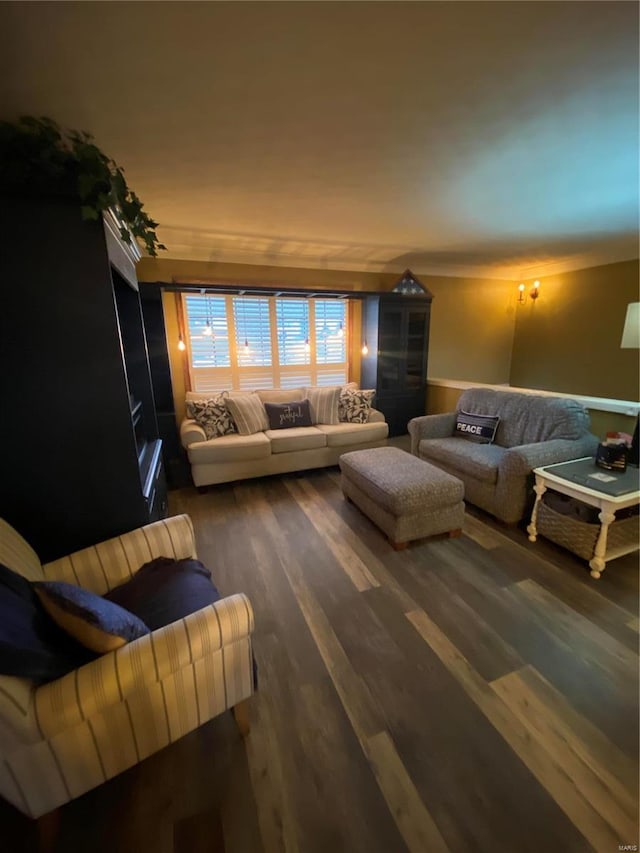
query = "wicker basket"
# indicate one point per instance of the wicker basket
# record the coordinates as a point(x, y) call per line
point(580, 537)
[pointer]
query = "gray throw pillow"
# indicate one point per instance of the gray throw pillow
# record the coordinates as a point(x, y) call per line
point(288, 415)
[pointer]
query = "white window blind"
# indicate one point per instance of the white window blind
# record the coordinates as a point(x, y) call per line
point(330, 331)
point(293, 331)
point(209, 345)
point(265, 341)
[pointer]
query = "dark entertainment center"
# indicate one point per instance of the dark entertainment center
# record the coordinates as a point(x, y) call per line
point(396, 330)
point(81, 452)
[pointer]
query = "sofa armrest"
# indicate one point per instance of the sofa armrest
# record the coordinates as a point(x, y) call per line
point(430, 426)
point(108, 564)
point(521, 460)
point(114, 677)
point(376, 417)
point(190, 432)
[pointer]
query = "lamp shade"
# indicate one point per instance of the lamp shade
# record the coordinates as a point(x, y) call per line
point(631, 331)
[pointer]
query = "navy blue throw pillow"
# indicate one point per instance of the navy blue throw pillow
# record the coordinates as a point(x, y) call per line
point(166, 590)
point(478, 428)
point(31, 644)
point(287, 415)
point(98, 624)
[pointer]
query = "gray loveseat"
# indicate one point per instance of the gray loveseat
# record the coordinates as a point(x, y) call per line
point(533, 431)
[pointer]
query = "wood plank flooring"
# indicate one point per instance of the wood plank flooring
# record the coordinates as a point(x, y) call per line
point(472, 694)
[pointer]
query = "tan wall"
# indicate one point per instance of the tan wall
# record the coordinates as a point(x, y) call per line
point(569, 338)
point(472, 320)
point(472, 327)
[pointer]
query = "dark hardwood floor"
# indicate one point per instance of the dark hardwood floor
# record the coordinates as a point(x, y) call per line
point(471, 694)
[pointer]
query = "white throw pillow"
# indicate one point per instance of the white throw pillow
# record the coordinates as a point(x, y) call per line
point(324, 404)
point(248, 412)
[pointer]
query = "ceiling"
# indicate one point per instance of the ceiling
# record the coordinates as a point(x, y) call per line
point(455, 138)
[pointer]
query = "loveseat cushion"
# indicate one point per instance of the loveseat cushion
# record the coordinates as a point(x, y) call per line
point(479, 461)
point(295, 438)
point(346, 435)
point(230, 448)
point(527, 418)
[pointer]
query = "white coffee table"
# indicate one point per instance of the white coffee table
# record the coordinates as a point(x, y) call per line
point(548, 478)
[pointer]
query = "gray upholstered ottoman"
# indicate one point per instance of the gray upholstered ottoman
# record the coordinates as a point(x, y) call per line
point(406, 497)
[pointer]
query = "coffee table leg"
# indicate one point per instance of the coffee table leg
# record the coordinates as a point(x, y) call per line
point(597, 563)
point(539, 489)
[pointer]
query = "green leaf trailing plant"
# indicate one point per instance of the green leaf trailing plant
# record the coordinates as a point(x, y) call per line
point(36, 155)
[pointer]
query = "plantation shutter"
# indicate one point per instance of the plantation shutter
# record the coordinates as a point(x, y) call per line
point(209, 354)
point(331, 341)
point(253, 342)
point(294, 346)
point(246, 342)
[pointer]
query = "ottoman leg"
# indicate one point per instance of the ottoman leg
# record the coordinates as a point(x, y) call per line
point(399, 546)
point(453, 534)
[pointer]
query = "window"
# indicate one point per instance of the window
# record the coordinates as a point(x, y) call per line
point(247, 342)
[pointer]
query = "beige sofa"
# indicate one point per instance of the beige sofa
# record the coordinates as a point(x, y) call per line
point(239, 457)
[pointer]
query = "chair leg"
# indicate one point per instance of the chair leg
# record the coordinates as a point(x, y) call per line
point(48, 829)
point(241, 715)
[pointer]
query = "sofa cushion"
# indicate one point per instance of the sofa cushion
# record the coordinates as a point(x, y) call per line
point(248, 412)
point(527, 418)
point(99, 625)
point(295, 413)
point(295, 438)
point(346, 435)
point(230, 448)
point(165, 590)
point(479, 461)
point(280, 395)
point(324, 404)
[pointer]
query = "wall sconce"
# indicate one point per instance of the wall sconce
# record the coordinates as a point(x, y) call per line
point(181, 344)
point(533, 293)
point(365, 349)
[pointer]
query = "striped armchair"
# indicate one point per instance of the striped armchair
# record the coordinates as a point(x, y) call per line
point(61, 739)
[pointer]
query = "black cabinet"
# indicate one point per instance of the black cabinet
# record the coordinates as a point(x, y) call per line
point(81, 454)
point(396, 329)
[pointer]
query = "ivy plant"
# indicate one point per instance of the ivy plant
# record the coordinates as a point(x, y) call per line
point(38, 156)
